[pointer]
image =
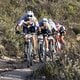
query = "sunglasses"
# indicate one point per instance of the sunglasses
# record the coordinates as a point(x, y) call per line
point(44, 21)
point(29, 15)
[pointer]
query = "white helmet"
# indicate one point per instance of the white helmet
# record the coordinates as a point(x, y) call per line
point(50, 20)
point(30, 14)
point(45, 20)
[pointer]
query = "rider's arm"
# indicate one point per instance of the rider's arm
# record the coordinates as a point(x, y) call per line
point(17, 29)
point(64, 30)
point(19, 24)
point(36, 23)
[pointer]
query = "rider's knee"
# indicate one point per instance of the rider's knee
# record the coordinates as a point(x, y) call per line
point(25, 37)
point(62, 40)
point(45, 38)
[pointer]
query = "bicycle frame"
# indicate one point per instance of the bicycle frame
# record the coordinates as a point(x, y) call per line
point(52, 49)
point(42, 50)
point(28, 49)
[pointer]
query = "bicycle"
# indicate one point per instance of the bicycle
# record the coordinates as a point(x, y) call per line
point(41, 48)
point(28, 49)
point(52, 49)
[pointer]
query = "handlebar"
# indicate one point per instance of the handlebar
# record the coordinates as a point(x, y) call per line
point(49, 34)
point(22, 33)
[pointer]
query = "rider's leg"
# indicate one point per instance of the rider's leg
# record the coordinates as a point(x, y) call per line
point(62, 40)
point(46, 43)
point(54, 45)
point(58, 46)
point(34, 40)
point(63, 43)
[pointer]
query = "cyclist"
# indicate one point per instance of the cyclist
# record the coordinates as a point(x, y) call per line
point(30, 24)
point(45, 28)
point(53, 29)
point(62, 31)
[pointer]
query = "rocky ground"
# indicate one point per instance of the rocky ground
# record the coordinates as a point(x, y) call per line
point(14, 69)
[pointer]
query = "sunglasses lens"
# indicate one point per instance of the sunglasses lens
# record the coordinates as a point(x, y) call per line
point(29, 15)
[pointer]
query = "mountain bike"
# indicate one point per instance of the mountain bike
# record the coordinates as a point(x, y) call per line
point(41, 48)
point(28, 49)
point(52, 49)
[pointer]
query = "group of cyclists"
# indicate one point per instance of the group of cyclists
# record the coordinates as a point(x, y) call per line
point(30, 24)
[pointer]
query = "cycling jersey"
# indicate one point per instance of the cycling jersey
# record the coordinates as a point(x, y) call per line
point(62, 30)
point(45, 30)
point(31, 27)
point(52, 24)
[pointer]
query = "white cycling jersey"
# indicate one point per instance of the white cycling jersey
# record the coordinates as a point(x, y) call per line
point(60, 27)
point(33, 20)
point(46, 22)
point(52, 24)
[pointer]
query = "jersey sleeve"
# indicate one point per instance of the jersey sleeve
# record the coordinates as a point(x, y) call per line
point(21, 22)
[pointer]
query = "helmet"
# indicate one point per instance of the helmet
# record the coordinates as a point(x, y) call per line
point(44, 20)
point(30, 14)
point(50, 20)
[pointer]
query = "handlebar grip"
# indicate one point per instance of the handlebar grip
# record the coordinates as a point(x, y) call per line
point(17, 32)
